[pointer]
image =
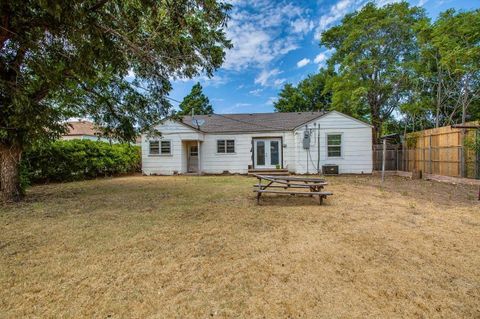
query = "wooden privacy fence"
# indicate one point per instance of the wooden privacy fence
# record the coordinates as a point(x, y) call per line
point(443, 151)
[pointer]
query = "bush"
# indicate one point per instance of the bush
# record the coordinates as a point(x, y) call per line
point(78, 159)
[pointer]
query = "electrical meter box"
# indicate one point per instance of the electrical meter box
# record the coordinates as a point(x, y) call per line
point(306, 139)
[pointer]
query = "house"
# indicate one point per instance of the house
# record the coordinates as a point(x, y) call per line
point(298, 142)
point(86, 130)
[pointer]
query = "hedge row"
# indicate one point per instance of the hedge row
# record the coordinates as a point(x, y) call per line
point(78, 159)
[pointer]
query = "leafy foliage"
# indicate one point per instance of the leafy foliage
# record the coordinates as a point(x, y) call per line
point(111, 61)
point(196, 101)
point(62, 59)
point(373, 51)
point(61, 161)
point(310, 95)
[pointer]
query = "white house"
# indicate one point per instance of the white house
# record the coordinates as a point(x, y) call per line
point(300, 142)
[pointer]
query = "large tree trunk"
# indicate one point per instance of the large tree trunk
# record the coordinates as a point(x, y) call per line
point(377, 125)
point(10, 156)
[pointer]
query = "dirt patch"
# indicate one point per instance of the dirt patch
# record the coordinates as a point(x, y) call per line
point(201, 247)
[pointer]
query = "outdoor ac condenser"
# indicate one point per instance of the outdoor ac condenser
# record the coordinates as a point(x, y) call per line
point(330, 169)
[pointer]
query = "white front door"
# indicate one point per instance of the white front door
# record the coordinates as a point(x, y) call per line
point(192, 158)
point(267, 153)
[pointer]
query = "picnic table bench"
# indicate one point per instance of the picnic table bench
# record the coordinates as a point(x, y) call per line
point(289, 183)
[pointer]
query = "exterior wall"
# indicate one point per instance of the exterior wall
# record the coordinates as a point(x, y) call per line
point(356, 148)
point(88, 137)
point(176, 133)
point(238, 162)
point(356, 145)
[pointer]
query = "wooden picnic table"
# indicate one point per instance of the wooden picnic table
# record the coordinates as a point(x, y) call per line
point(287, 183)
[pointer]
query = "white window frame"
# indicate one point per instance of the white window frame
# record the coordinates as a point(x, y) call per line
point(160, 153)
point(225, 140)
point(150, 148)
point(341, 144)
point(169, 147)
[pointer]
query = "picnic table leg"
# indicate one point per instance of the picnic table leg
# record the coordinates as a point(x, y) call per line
point(258, 198)
point(320, 198)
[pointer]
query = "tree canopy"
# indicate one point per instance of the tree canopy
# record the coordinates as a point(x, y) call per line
point(309, 95)
point(373, 48)
point(195, 101)
point(110, 61)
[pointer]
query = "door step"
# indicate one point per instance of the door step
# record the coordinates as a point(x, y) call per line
point(268, 171)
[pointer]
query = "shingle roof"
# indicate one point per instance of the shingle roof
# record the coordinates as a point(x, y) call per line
point(77, 128)
point(254, 122)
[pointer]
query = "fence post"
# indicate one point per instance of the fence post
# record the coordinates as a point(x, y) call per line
point(396, 157)
point(383, 158)
point(430, 153)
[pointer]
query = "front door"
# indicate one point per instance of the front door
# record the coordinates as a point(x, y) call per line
point(192, 158)
point(267, 153)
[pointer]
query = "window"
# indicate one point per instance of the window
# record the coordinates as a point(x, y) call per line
point(154, 148)
point(166, 148)
point(160, 148)
point(334, 145)
point(193, 150)
point(274, 153)
point(225, 146)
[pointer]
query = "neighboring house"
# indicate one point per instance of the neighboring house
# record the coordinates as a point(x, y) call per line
point(86, 130)
point(83, 130)
point(259, 141)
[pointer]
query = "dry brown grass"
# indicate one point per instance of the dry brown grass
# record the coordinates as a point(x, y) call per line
point(200, 247)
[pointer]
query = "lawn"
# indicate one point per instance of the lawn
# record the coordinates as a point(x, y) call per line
point(200, 247)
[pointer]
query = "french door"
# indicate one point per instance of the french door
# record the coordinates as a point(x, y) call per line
point(267, 153)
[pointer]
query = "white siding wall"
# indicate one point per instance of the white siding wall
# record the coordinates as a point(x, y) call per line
point(238, 162)
point(168, 164)
point(356, 148)
point(356, 145)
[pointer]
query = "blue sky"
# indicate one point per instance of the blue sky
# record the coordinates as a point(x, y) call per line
point(277, 42)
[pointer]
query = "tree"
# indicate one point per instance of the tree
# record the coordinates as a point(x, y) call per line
point(373, 51)
point(447, 74)
point(309, 95)
point(195, 101)
point(456, 38)
point(62, 59)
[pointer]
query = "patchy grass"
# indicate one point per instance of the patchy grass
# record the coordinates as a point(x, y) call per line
point(201, 247)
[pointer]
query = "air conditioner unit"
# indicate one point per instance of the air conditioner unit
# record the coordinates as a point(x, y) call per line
point(330, 169)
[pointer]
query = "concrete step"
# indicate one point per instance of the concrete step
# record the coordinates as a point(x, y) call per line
point(268, 172)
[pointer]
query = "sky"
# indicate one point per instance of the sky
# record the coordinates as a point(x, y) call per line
point(277, 42)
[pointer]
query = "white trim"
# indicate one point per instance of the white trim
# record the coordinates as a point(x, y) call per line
point(341, 145)
point(170, 144)
point(225, 140)
point(336, 112)
point(350, 117)
point(160, 140)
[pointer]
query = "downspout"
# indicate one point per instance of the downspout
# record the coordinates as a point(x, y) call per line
point(319, 171)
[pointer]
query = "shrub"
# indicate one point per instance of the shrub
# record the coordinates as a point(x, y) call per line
point(78, 159)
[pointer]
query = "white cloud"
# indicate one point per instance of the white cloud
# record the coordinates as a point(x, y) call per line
point(271, 100)
point(262, 31)
point(303, 62)
point(302, 25)
point(266, 75)
point(215, 81)
point(256, 92)
point(421, 3)
point(336, 13)
point(320, 58)
point(279, 82)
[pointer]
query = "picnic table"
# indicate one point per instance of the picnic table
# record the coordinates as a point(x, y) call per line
point(291, 185)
